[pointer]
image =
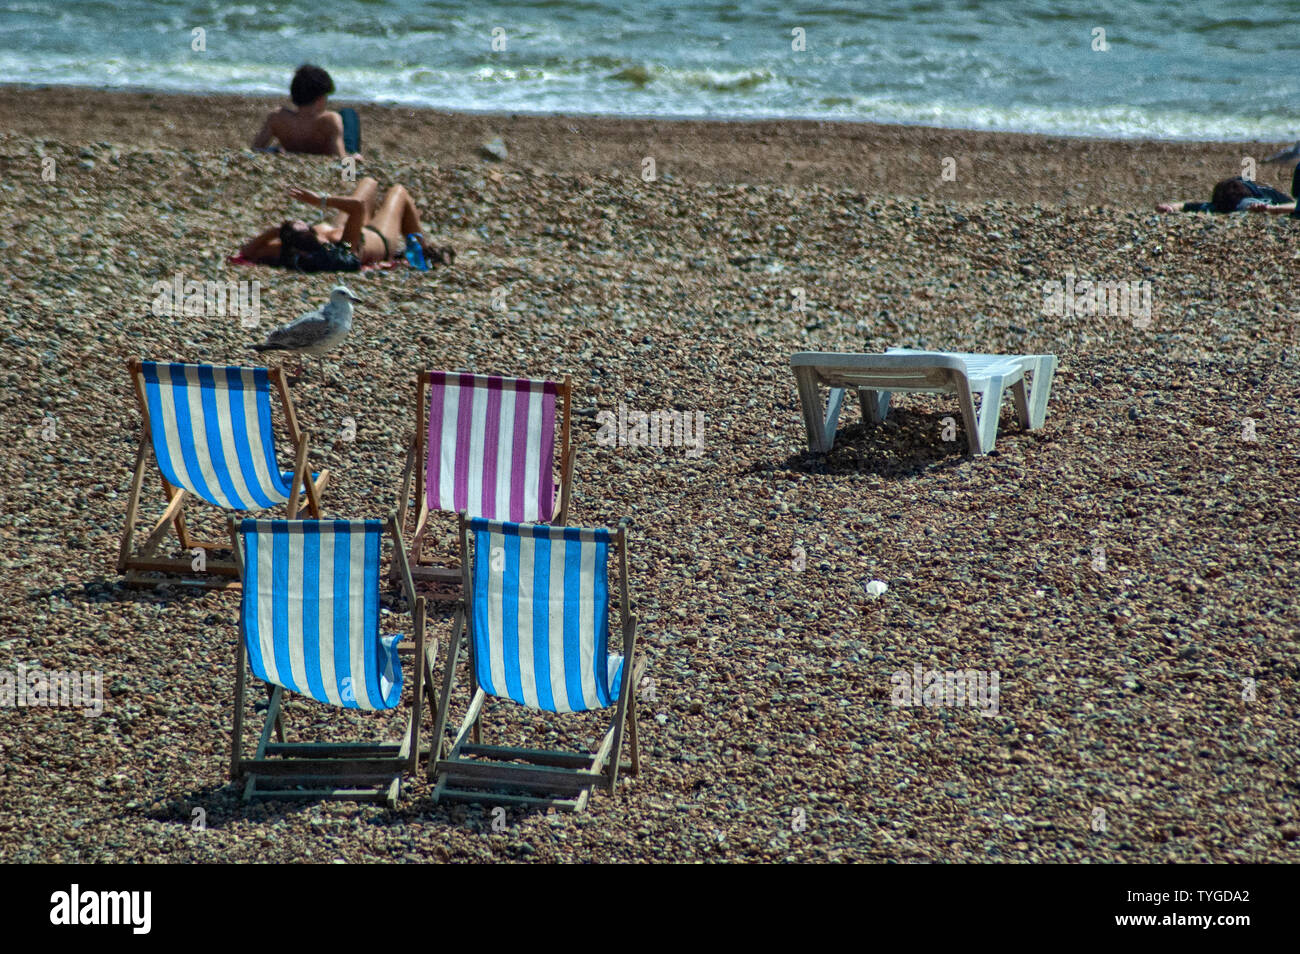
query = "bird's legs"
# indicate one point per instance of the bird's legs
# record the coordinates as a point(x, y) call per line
point(298, 373)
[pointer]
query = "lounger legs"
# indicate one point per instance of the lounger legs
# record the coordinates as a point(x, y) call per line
point(968, 417)
point(1018, 391)
point(875, 405)
point(990, 408)
point(981, 425)
point(1031, 394)
point(820, 428)
point(967, 375)
point(981, 428)
point(1043, 370)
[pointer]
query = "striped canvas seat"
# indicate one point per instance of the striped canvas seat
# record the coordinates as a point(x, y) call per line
point(309, 624)
point(310, 611)
point(211, 429)
point(541, 616)
point(484, 446)
point(491, 442)
point(536, 608)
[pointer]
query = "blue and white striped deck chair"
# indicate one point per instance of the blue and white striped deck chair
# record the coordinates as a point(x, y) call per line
point(536, 611)
point(210, 431)
point(310, 624)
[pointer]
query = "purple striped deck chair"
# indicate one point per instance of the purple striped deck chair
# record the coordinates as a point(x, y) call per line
point(209, 429)
point(536, 609)
point(486, 446)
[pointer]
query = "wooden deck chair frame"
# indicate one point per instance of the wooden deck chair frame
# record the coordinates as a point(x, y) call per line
point(218, 573)
point(555, 779)
point(447, 579)
point(321, 770)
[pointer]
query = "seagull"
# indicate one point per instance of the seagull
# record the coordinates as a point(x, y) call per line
point(316, 332)
point(1286, 155)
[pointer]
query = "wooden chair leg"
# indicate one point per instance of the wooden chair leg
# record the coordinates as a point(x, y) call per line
point(421, 531)
point(182, 530)
point(132, 505)
point(299, 474)
point(173, 516)
point(632, 740)
point(444, 703)
point(431, 694)
point(279, 712)
point(314, 489)
point(418, 668)
point(403, 505)
point(237, 734)
point(566, 486)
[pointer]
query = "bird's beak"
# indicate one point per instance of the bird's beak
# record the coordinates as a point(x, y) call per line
point(355, 298)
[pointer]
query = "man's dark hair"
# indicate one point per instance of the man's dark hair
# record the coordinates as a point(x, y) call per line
point(309, 84)
point(1228, 194)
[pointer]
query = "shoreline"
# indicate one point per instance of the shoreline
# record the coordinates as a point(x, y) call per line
point(897, 160)
point(389, 104)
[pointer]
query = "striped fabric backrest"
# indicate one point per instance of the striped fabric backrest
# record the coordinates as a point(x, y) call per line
point(211, 431)
point(540, 615)
point(491, 446)
point(310, 611)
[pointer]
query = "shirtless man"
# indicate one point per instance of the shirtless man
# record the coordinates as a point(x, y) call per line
point(311, 127)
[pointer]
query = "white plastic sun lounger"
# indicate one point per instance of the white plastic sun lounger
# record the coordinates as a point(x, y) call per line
point(876, 376)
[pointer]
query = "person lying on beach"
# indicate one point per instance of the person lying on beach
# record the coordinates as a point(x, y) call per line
point(363, 232)
point(1282, 208)
point(1235, 195)
point(311, 127)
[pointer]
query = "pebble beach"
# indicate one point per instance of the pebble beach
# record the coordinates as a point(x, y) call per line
point(1147, 707)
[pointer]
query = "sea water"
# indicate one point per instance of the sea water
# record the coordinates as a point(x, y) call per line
point(1189, 69)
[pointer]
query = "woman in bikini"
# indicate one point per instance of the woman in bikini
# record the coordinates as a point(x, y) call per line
point(374, 232)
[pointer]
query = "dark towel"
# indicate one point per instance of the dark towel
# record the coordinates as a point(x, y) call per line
point(351, 129)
